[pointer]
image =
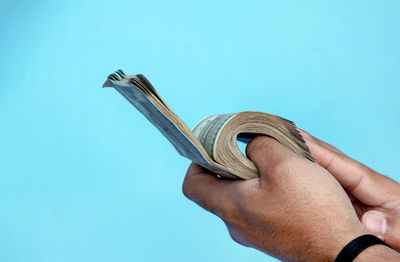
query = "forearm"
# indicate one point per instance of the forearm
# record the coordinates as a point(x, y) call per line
point(378, 253)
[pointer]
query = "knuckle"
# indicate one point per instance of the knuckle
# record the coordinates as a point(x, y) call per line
point(228, 213)
point(187, 189)
point(285, 165)
point(225, 215)
point(258, 144)
point(234, 237)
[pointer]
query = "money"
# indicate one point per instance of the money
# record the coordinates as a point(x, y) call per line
point(213, 141)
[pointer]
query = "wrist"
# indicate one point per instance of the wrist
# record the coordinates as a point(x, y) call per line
point(355, 247)
point(378, 253)
point(328, 246)
point(344, 238)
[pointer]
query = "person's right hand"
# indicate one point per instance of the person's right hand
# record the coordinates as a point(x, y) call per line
point(295, 210)
point(375, 197)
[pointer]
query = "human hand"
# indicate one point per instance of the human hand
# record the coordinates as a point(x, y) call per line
point(295, 210)
point(375, 197)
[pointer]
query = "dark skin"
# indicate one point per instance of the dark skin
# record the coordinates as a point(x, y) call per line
point(374, 196)
point(296, 210)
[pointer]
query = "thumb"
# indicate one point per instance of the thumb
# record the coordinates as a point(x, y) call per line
point(375, 222)
point(384, 226)
point(367, 185)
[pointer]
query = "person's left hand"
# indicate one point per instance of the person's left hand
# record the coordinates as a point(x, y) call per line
point(375, 197)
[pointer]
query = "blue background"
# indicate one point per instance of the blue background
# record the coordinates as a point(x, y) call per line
point(85, 177)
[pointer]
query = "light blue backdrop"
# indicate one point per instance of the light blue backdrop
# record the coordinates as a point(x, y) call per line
point(85, 177)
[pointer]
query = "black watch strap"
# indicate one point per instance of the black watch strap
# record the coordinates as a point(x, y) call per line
point(356, 246)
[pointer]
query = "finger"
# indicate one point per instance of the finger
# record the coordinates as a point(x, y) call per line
point(206, 189)
point(359, 207)
point(365, 184)
point(308, 137)
point(384, 226)
point(267, 153)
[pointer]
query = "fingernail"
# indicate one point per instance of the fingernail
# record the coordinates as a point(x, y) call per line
point(376, 223)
